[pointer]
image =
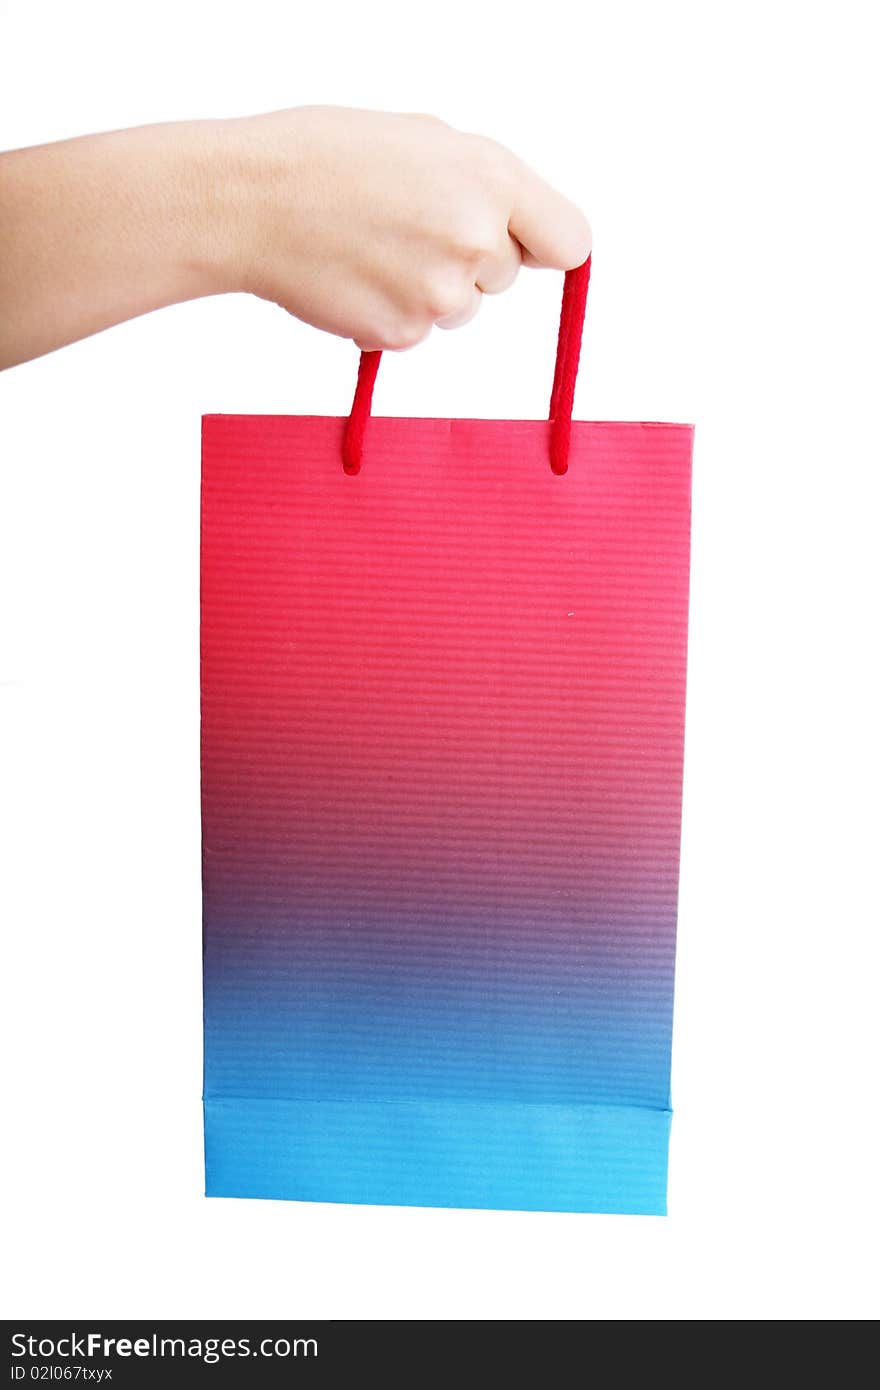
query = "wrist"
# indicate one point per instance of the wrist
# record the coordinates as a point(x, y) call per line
point(240, 177)
point(199, 201)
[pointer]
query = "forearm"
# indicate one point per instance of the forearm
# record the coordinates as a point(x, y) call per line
point(99, 229)
point(370, 225)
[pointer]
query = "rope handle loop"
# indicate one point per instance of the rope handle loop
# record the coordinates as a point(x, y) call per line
point(568, 352)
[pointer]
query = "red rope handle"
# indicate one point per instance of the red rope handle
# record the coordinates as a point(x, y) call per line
point(568, 352)
point(568, 356)
point(356, 425)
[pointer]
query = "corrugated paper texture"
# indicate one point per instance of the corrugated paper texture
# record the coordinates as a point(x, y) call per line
point(442, 724)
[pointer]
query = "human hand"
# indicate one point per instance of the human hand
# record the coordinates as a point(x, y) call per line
point(377, 226)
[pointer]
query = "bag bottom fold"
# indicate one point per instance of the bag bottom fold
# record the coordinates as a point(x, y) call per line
point(440, 1153)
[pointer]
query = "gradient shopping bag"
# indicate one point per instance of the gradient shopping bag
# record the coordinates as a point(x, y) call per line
point(443, 675)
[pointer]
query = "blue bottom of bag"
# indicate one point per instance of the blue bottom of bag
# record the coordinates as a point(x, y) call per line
point(598, 1158)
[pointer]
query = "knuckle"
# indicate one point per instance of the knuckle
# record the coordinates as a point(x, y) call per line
point(384, 332)
point(427, 118)
point(444, 297)
point(406, 334)
point(474, 239)
point(492, 158)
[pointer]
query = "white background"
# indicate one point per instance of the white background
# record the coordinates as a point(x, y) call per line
point(726, 157)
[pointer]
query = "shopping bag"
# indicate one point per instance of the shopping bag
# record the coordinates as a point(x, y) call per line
point(443, 678)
